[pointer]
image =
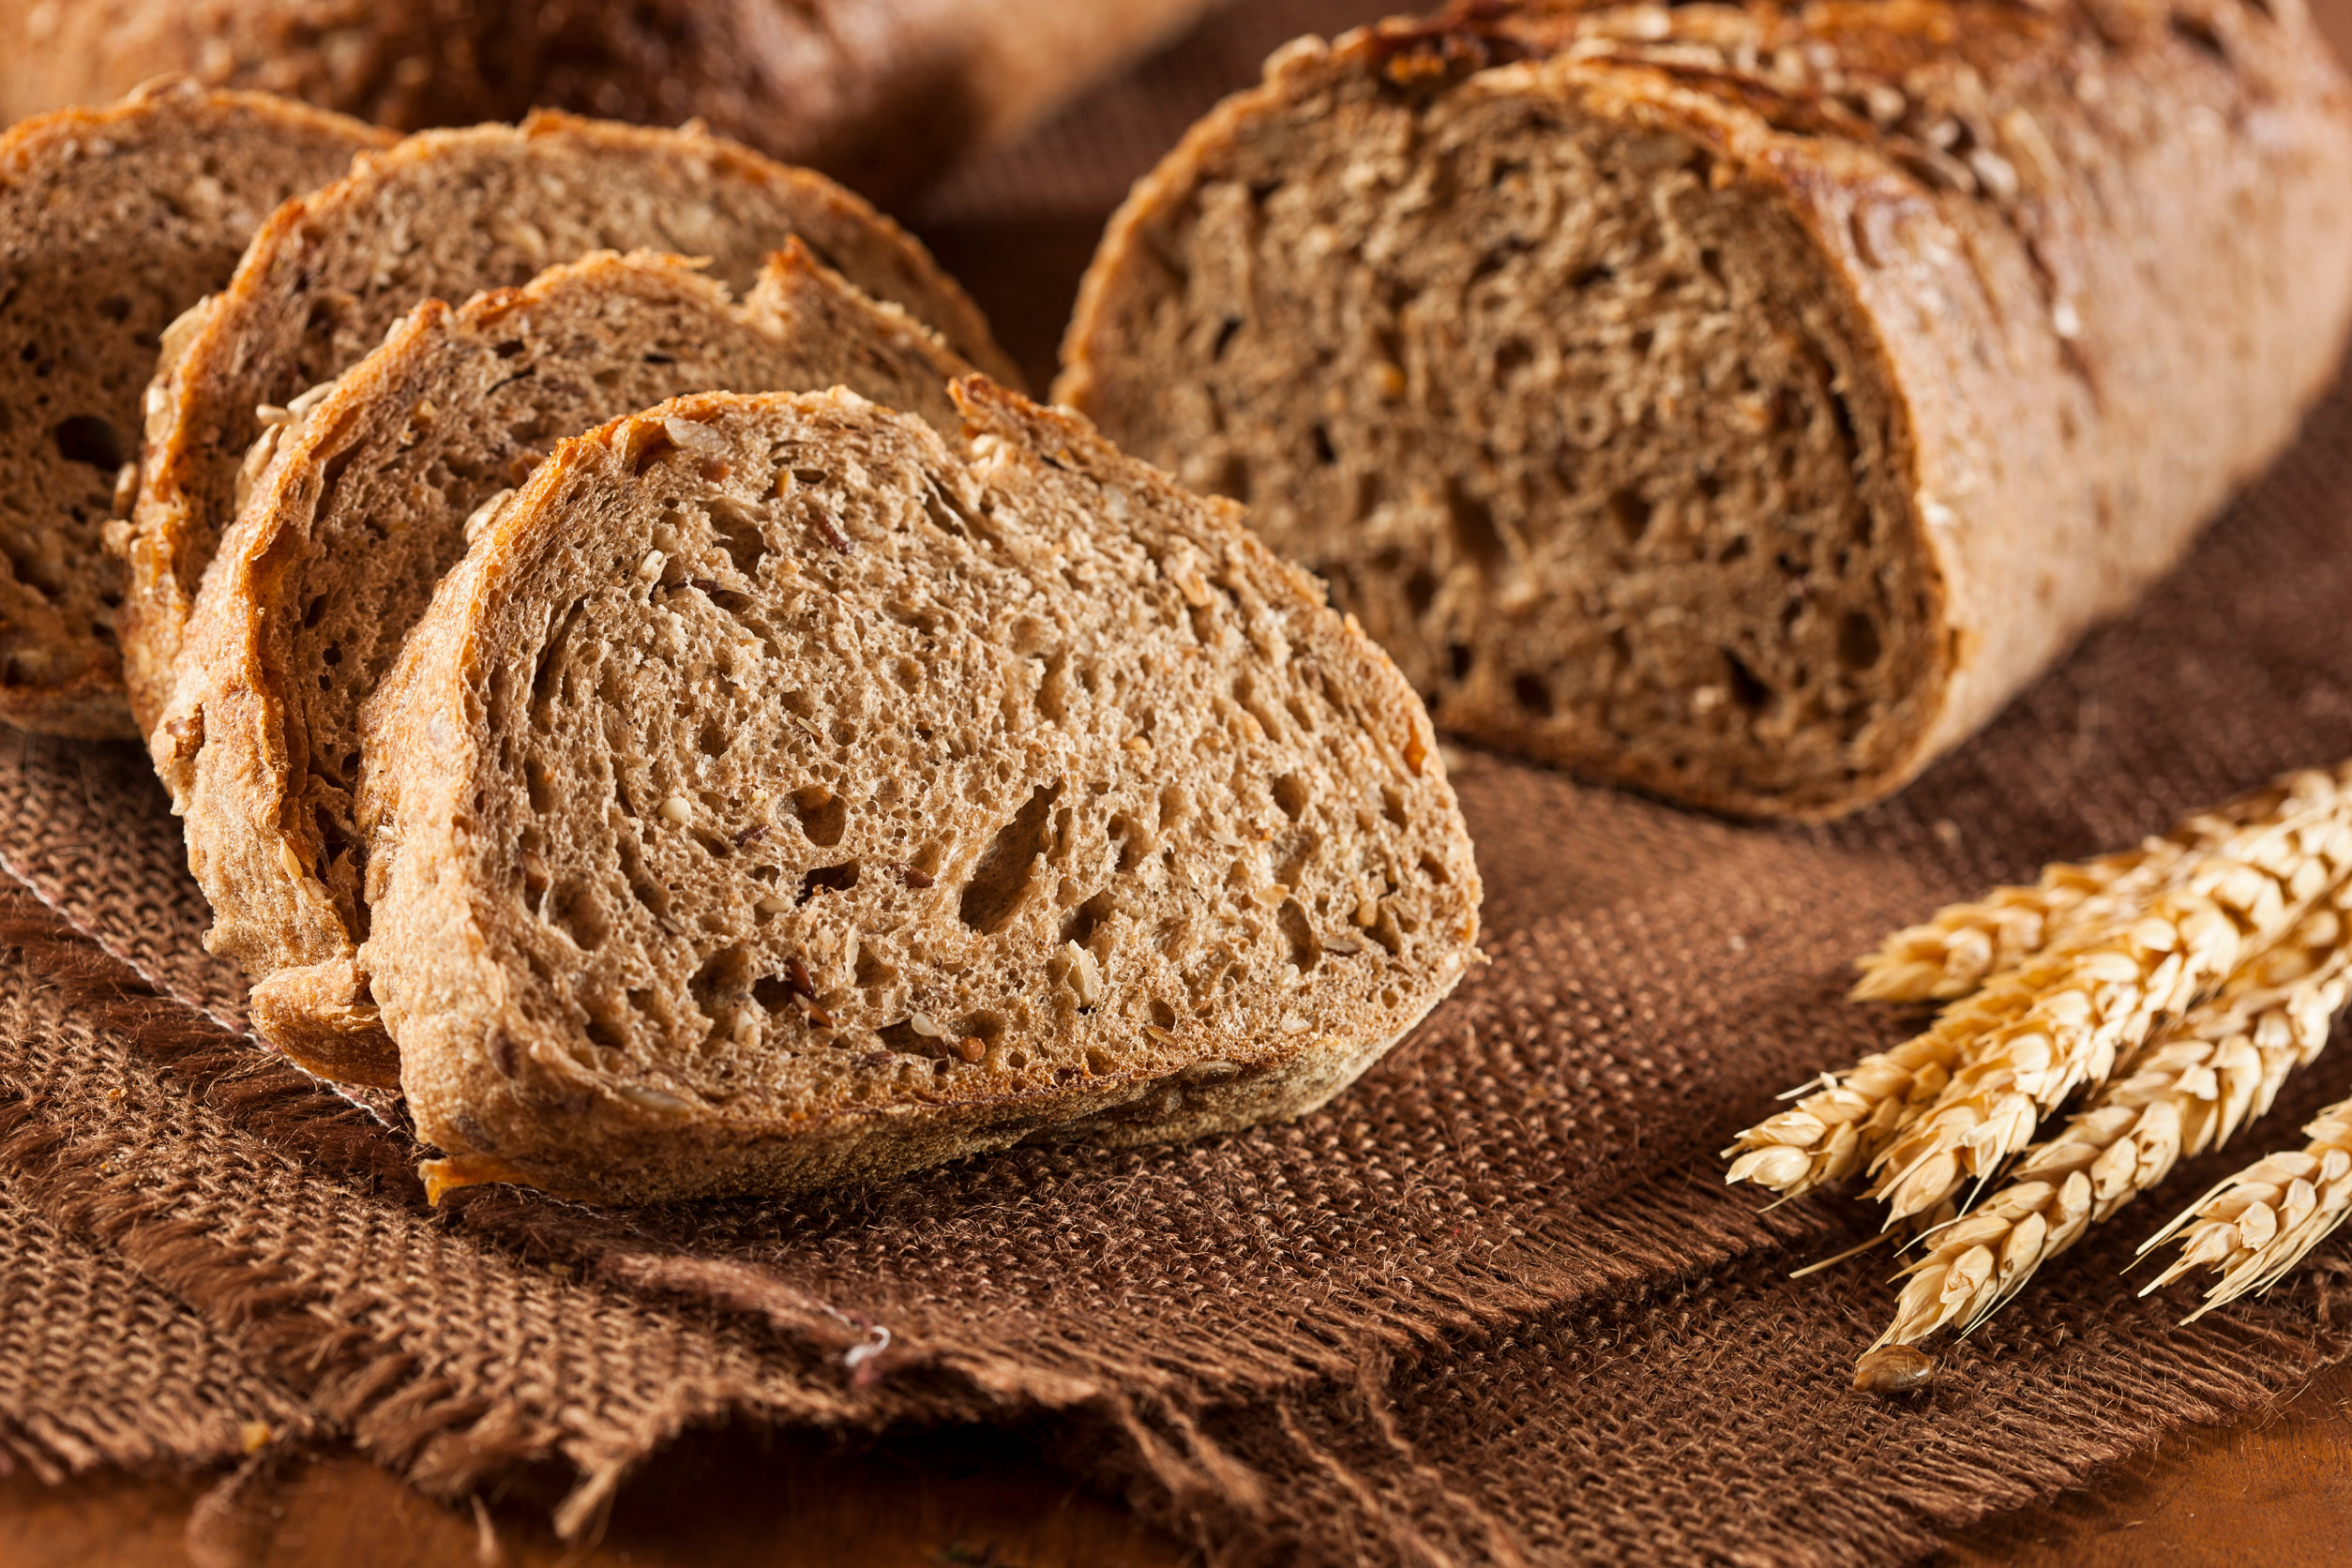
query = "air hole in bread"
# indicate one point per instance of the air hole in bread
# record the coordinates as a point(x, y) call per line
point(1858, 643)
point(1232, 480)
point(1299, 932)
point(578, 912)
point(1630, 512)
point(1133, 841)
point(1245, 693)
point(549, 668)
point(872, 971)
point(85, 438)
point(642, 887)
point(1532, 694)
point(1088, 917)
point(720, 983)
point(828, 879)
point(1000, 879)
point(1749, 691)
point(1289, 792)
point(1054, 692)
point(822, 814)
point(739, 535)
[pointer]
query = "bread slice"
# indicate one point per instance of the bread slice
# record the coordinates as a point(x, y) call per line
point(1737, 401)
point(779, 794)
point(367, 499)
point(112, 221)
point(440, 215)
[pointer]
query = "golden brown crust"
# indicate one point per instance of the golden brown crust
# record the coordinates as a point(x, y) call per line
point(2098, 255)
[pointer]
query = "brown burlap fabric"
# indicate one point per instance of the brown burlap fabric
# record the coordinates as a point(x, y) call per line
point(1493, 1305)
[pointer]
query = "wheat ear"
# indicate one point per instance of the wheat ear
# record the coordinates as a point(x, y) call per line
point(2113, 994)
point(2263, 1221)
point(2184, 1094)
point(1849, 1122)
point(1961, 945)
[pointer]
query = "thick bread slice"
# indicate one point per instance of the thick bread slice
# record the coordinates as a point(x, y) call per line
point(368, 500)
point(778, 793)
point(440, 215)
point(112, 222)
point(1737, 401)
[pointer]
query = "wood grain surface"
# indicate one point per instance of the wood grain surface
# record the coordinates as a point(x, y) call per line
point(2274, 1490)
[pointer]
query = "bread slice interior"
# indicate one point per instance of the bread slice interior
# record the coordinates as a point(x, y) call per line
point(1585, 429)
point(779, 792)
point(365, 497)
point(113, 220)
point(443, 215)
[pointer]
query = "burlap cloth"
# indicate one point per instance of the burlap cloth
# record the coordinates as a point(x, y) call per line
point(1493, 1305)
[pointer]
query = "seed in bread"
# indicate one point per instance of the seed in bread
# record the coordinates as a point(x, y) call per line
point(987, 791)
point(372, 492)
point(440, 215)
point(1738, 402)
point(112, 221)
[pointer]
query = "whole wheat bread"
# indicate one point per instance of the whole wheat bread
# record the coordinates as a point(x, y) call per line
point(368, 498)
point(440, 215)
point(1738, 402)
point(112, 221)
point(779, 794)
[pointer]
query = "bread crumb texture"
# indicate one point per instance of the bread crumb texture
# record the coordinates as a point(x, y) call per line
point(780, 792)
point(370, 491)
point(112, 221)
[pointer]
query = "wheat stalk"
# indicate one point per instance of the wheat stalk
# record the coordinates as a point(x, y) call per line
point(2184, 1094)
point(1961, 945)
point(1850, 1122)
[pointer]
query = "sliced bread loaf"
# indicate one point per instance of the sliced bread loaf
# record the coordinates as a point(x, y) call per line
point(779, 794)
point(368, 497)
point(1737, 401)
point(112, 221)
point(441, 216)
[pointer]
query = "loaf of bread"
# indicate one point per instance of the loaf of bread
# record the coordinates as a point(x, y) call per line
point(884, 94)
point(366, 500)
point(1738, 403)
point(440, 215)
point(112, 222)
point(779, 792)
